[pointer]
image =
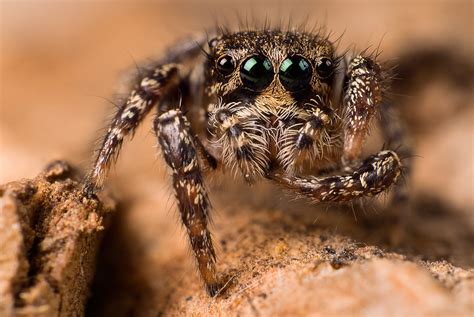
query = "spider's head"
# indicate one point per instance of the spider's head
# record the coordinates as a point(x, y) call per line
point(266, 85)
point(251, 64)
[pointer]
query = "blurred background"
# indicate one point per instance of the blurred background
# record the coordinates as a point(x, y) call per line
point(61, 60)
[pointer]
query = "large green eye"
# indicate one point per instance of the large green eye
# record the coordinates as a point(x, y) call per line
point(295, 73)
point(256, 72)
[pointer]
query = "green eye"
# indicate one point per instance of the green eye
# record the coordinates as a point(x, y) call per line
point(256, 72)
point(295, 73)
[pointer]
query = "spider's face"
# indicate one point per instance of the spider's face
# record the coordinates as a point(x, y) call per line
point(268, 85)
point(283, 65)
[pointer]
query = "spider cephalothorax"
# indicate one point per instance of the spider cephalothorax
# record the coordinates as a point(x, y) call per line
point(273, 104)
point(280, 105)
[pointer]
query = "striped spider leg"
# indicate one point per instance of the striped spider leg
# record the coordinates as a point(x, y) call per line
point(361, 101)
point(180, 150)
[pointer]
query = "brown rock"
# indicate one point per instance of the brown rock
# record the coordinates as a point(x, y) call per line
point(49, 234)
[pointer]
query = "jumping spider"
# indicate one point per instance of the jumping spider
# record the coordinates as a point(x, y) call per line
point(271, 104)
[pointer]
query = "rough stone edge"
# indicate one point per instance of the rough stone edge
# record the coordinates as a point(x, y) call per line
point(49, 237)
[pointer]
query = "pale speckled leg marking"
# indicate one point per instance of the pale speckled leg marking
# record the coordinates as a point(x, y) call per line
point(146, 92)
point(362, 97)
point(376, 174)
point(181, 154)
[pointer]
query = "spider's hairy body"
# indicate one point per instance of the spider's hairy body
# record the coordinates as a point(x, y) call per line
point(268, 104)
point(275, 124)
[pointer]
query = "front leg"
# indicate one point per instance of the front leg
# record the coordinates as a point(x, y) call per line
point(147, 91)
point(365, 83)
point(362, 97)
point(181, 154)
point(373, 176)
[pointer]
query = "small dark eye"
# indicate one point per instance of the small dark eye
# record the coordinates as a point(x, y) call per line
point(295, 73)
point(212, 43)
point(324, 67)
point(256, 72)
point(225, 65)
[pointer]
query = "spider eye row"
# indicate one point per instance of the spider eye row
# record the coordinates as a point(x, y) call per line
point(295, 72)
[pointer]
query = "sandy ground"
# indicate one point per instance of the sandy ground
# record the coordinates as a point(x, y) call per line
point(60, 61)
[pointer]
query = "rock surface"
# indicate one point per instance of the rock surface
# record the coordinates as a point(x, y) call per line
point(49, 236)
point(277, 261)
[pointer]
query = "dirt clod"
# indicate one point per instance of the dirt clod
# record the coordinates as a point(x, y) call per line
point(49, 235)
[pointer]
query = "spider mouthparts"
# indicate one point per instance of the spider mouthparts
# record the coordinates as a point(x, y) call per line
point(272, 121)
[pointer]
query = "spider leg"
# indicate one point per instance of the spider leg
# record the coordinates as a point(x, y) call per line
point(374, 175)
point(362, 100)
point(362, 97)
point(147, 91)
point(180, 151)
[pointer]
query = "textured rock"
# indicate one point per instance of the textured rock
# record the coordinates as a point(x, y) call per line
point(276, 263)
point(49, 235)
